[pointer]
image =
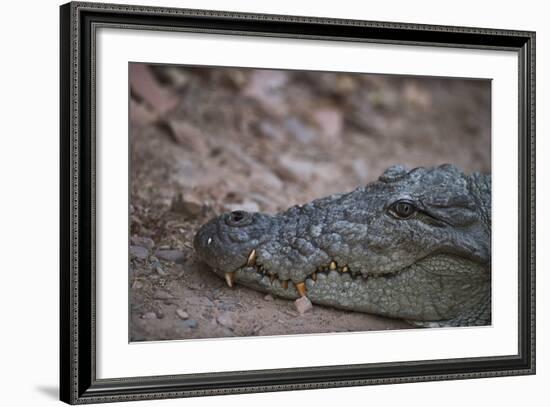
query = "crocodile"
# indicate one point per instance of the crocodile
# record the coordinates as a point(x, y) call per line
point(414, 245)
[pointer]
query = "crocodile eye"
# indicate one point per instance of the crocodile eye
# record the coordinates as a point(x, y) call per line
point(238, 218)
point(403, 209)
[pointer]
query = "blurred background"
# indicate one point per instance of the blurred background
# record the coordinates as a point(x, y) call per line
point(208, 140)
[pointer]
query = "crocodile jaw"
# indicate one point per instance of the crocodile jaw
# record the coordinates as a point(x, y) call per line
point(458, 289)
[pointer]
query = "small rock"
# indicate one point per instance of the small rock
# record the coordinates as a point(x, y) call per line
point(187, 135)
point(159, 314)
point(173, 255)
point(144, 84)
point(137, 285)
point(264, 178)
point(225, 320)
point(140, 114)
point(303, 305)
point(330, 121)
point(190, 323)
point(345, 84)
point(149, 315)
point(360, 169)
point(188, 206)
point(291, 313)
point(157, 267)
point(269, 297)
point(268, 130)
point(143, 242)
point(417, 97)
point(264, 86)
point(236, 78)
point(139, 252)
point(182, 314)
point(301, 131)
point(381, 100)
point(162, 295)
point(178, 77)
point(291, 168)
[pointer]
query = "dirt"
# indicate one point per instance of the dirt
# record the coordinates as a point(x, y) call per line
point(209, 140)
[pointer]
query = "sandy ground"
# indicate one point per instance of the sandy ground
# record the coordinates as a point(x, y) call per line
point(209, 140)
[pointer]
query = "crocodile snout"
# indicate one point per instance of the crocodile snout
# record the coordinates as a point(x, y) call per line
point(225, 243)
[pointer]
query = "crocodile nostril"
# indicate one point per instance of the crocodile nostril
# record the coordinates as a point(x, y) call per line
point(237, 216)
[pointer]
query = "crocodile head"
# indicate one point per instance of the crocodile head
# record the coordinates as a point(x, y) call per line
point(415, 245)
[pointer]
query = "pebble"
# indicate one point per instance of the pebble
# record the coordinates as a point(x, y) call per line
point(330, 121)
point(291, 168)
point(146, 86)
point(143, 242)
point(157, 267)
point(269, 297)
point(225, 319)
point(189, 206)
point(149, 315)
point(139, 252)
point(178, 77)
point(269, 130)
point(137, 284)
point(193, 139)
point(190, 323)
point(417, 97)
point(360, 169)
point(141, 114)
point(303, 305)
point(162, 295)
point(173, 255)
point(182, 314)
point(301, 131)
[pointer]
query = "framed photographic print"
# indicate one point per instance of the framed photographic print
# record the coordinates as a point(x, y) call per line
point(241, 192)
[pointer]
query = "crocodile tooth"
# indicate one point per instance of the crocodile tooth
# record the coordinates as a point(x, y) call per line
point(332, 265)
point(284, 284)
point(345, 269)
point(230, 278)
point(314, 276)
point(301, 288)
point(251, 261)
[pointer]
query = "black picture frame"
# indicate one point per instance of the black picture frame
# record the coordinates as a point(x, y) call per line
point(78, 382)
